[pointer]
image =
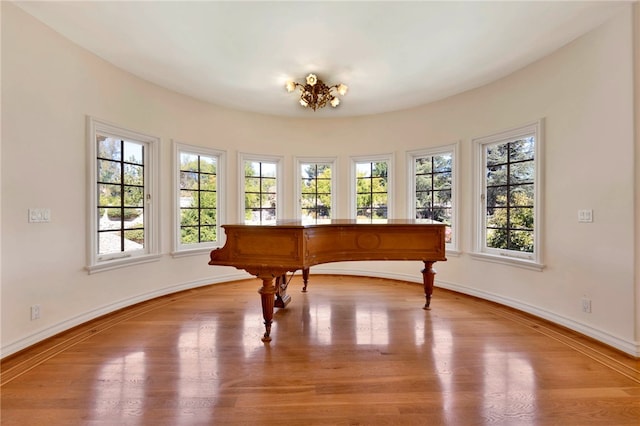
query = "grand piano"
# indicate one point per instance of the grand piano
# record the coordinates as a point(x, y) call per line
point(269, 252)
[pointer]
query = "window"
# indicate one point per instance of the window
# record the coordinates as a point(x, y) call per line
point(315, 189)
point(371, 180)
point(433, 180)
point(261, 186)
point(199, 178)
point(122, 199)
point(508, 219)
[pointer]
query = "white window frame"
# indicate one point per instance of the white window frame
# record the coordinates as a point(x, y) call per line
point(180, 249)
point(151, 251)
point(298, 162)
point(480, 250)
point(389, 158)
point(274, 159)
point(452, 149)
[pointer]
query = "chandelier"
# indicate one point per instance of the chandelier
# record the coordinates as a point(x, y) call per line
point(315, 94)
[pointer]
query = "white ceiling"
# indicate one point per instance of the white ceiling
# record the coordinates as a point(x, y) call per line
point(392, 55)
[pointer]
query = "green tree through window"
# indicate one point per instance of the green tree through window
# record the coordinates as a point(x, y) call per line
point(198, 198)
point(260, 192)
point(315, 194)
point(510, 180)
point(433, 189)
point(120, 189)
point(372, 191)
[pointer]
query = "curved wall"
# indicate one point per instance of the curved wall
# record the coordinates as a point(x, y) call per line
point(584, 92)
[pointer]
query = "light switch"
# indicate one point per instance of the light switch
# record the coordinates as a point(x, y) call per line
point(39, 215)
point(585, 216)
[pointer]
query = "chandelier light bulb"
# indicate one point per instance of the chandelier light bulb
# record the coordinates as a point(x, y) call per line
point(312, 79)
point(315, 94)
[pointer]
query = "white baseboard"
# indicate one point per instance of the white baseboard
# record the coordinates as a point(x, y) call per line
point(54, 329)
point(628, 347)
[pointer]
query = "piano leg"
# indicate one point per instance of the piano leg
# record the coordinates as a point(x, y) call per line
point(267, 294)
point(305, 279)
point(428, 274)
point(282, 298)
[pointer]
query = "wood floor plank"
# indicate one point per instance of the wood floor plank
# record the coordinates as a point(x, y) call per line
point(351, 351)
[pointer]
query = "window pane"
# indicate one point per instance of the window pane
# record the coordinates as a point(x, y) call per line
point(134, 240)
point(521, 217)
point(522, 195)
point(268, 215)
point(189, 235)
point(133, 218)
point(109, 148)
point(496, 154)
point(269, 170)
point(109, 195)
point(110, 219)
point(497, 218)
point(497, 196)
point(133, 175)
point(208, 234)
point(497, 238)
point(363, 169)
point(208, 200)
point(423, 165)
point(442, 163)
point(268, 185)
point(379, 199)
point(188, 198)
point(308, 201)
point(442, 215)
point(380, 213)
point(188, 162)
point(207, 165)
point(522, 172)
point(523, 149)
point(363, 200)
point(521, 241)
point(109, 242)
point(252, 185)
point(188, 217)
point(442, 198)
point(132, 152)
point(423, 183)
point(442, 180)
point(497, 175)
point(424, 199)
point(252, 168)
point(208, 182)
point(133, 196)
point(188, 180)
point(208, 217)
point(109, 171)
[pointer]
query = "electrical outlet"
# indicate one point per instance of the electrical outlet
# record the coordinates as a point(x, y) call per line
point(586, 305)
point(35, 312)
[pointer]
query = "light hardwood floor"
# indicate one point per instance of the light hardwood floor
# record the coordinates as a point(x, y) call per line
point(351, 351)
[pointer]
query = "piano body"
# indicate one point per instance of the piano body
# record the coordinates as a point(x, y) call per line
point(270, 251)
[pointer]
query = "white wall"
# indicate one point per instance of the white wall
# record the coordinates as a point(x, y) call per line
point(584, 92)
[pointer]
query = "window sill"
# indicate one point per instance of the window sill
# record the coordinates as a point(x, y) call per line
point(193, 252)
point(122, 263)
point(511, 261)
